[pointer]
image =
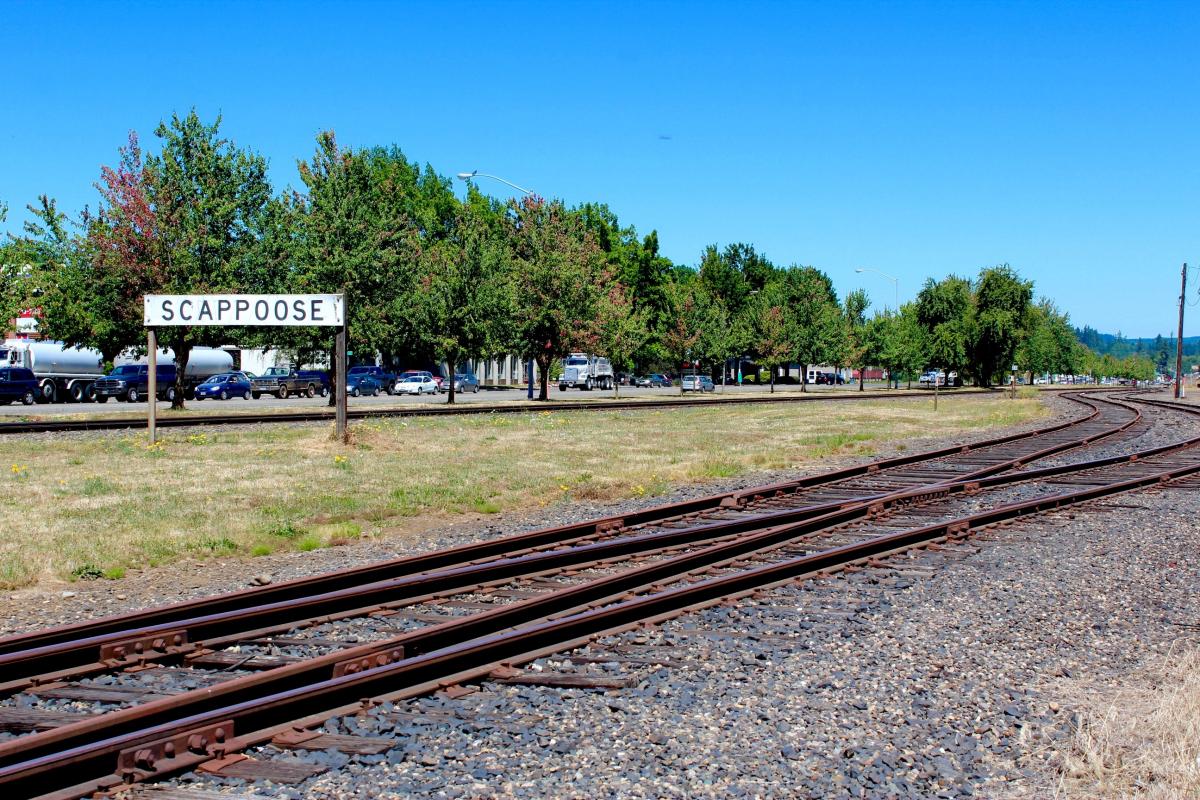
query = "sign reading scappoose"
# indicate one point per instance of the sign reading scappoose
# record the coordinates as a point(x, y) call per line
point(245, 309)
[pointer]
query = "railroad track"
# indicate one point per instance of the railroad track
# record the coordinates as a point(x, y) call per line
point(549, 597)
point(192, 420)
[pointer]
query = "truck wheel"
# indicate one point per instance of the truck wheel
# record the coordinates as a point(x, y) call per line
point(101, 398)
point(257, 395)
point(47, 391)
point(224, 395)
point(28, 398)
point(587, 386)
point(170, 394)
point(282, 393)
point(246, 395)
point(562, 387)
point(77, 393)
point(324, 391)
point(311, 391)
point(133, 395)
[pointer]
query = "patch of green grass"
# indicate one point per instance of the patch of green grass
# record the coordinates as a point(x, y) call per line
point(86, 572)
point(309, 543)
point(338, 530)
point(286, 529)
point(95, 486)
point(213, 545)
point(114, 573)
point(260, 550)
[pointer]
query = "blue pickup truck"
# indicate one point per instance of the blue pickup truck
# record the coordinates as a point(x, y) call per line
point(387, 380)
point(131, 382)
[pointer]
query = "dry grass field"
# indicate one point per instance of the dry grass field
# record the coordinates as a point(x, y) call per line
point(93, 506)
point(1140, 739)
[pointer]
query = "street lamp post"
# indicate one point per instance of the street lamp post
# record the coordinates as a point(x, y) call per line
point(467, 176)
point(895, 282)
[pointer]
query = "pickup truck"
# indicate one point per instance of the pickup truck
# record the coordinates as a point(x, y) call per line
point(386, 379)
point(285, 381)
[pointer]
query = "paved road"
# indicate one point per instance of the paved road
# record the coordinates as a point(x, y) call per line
point(271, 403)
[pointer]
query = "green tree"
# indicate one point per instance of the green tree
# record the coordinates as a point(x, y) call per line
point(858, 348)
point(1002, 303)
point(771, 324)
point(816, 319)
point(945, 310)
point(622, 329)
point(465, 293)
point(205, 199)
point(558, 272)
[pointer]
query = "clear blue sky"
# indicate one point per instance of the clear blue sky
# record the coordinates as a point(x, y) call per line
point(916, 138)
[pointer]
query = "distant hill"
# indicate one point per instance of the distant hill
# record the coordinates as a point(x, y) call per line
point(1160, 349)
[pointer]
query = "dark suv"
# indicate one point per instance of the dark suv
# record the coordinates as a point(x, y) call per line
point(132, 381)
point(17, 383)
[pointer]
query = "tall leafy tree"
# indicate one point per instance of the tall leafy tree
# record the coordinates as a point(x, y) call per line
point(464, 291)
point(683, 331)
point(946, 311)
point(1002, 302)
point(771, 324)
point(186, 221)
point(622, 329)
point(816, 318)
point(857, 350)
point(558, 274)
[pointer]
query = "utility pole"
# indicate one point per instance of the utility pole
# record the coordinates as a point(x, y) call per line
point(1179, 341)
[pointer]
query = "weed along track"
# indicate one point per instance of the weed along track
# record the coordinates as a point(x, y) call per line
point(193, 686)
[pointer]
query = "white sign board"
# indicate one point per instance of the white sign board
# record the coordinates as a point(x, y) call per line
point(245, 309)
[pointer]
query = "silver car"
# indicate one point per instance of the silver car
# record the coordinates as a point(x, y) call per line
point(463, 382)
point(697, 383)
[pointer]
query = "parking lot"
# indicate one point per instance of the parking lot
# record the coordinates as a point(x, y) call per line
point(269, 403)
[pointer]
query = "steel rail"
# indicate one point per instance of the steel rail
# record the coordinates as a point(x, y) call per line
point(453, 633)
point(300, 588)
point(132, 421)
point(174, 639)
point(142, 752)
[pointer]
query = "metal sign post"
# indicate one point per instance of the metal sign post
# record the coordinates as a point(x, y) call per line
point(152, 383)
point(238, 310)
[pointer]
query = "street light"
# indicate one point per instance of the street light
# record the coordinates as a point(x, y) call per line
point(467, 176)
point(895, 282)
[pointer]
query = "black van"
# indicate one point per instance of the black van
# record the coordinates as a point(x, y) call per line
point(17, 383)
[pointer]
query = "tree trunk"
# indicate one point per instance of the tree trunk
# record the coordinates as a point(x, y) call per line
point(772, 380)
point(544, 374)
point(334, 385)
point(183, 351)
point(862, 377)
point(804, 377)
point(452, 371)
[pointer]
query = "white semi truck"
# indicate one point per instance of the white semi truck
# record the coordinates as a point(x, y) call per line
point(586, 372)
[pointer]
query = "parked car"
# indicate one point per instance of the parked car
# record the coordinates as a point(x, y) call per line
point(225, 385)
point(385, 378)
point(362, 383)
point(17, 383)
point(285, 381)
point(420, 372)
point(696, 383)
point(829, 379)
point(641, 380)
point(657, 379)
point(418, 385)
point(463, 382)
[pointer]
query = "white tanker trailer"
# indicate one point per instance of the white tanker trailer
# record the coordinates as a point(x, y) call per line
point(62, 372)
point(70, 373)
